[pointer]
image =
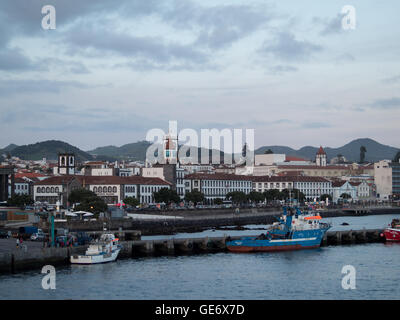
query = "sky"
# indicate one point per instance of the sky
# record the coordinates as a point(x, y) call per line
point(112, 70)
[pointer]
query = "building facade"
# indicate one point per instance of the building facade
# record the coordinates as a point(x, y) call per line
point(383, 179)
point(217, 185)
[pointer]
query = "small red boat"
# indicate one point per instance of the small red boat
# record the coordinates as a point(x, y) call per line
point(392, 232)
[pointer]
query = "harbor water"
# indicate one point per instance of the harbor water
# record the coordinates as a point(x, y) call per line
point(307, 274)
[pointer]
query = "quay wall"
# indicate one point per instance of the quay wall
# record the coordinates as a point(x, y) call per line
point(17, 261)
point(199, 220)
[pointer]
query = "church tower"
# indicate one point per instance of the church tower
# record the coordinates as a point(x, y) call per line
point(66, 163)
point(320, 159)
point(170, 149)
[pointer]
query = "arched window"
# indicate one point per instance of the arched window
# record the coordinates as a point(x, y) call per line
point(47, 190)
point(109, 189)
point(52, 189)
point(57, 189)
point(43, 190)
point(104, 189)
point(114, 189)
point(38, 190)
point(95, 189)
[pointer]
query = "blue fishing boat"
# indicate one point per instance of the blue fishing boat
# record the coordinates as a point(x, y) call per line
point(295, 230)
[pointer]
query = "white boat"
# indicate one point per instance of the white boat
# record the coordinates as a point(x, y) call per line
point(104, 250)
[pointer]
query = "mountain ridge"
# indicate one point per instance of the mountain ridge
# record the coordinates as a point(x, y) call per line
point(49, 149)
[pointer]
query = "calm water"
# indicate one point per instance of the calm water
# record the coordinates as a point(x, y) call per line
point(308, 274)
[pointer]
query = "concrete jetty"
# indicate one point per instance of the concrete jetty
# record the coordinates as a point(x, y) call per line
point(20, 260)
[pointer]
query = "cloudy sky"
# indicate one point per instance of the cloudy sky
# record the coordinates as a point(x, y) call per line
point(112, 70)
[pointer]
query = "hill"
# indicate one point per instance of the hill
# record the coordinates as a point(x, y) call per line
point(132, 151)
point(49, 150)
point(351, 151)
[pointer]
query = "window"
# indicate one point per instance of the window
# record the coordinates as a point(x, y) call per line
point(95, 189)
point(114, 189)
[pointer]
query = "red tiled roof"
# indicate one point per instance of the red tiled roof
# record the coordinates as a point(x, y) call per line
point(88, 180)
point(56, 180)
point(321, 151)
point(288, 179)
point(337, 184)
point(217, 176)
point(29, 175)
point(121, 180)
point(291, 158)
point(313, 167)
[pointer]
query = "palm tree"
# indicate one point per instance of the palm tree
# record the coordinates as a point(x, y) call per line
point(363, 150)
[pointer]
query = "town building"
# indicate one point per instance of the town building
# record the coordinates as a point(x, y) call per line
point(395, 165)
point(6, 174)
point(311, 187)
point(320, 158)
point(56, 188)
point(66, 164)
point(114, 189)
point(343, 187)
point(383, 179)
point(217, 185)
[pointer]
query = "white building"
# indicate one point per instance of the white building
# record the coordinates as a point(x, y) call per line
point(268, 159)
point(383, 179)
point(311, 187)
point(343, 187)
point(217, 185)
point(320, 158)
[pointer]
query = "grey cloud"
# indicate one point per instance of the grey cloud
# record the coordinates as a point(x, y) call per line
point(389, 103)
point(315, 125)
point(14, 60)
point(391, 80)
point(280, 69)
point(149, 50)
point(330, 26)
point(286, 47)
point(346, 57)
point(12, 86)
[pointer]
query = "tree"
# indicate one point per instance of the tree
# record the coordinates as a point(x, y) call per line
point(195, 196)
point(255, 196)
point(166, 195)
point(88, 201)
point(20, 200)
point(218, 201)
point(325, 196)
point(236, 196)
point(272, 194)
point(345, 196)
point(292, 193)
point(363, 150)
point(131, 201)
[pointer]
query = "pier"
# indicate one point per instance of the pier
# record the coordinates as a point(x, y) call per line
point(20, 260)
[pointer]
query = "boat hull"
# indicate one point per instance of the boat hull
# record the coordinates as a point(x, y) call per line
point(95, 259)
point(244, 249)
point(392, 234)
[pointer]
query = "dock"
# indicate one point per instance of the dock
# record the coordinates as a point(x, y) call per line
point(20, 260)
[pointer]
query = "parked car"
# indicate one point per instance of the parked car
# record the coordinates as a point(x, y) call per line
point(38, 236)
point(4, 234)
